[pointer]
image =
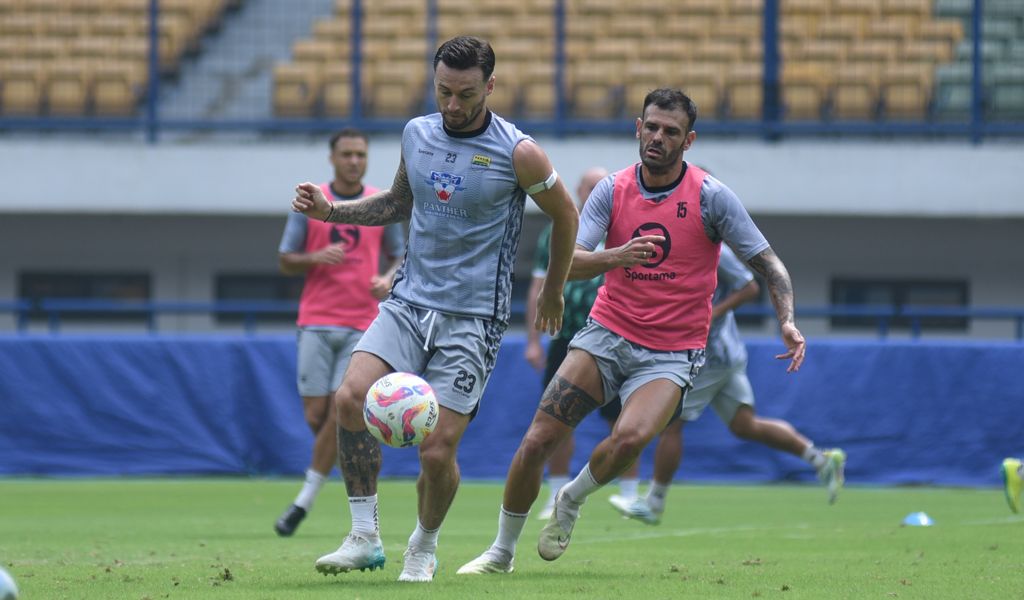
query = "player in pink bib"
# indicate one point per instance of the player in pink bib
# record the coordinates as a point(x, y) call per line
point(664, 220)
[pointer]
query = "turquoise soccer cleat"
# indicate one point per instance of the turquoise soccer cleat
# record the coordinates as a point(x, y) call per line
point(1012, 482)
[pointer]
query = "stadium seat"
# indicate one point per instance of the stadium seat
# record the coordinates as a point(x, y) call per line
point(1007, 95)
point(538, 90)
point(866, 8)
point(745, 7)
point(702, 82)
point(396, 88)
point(803, 89)
point(947, 30)
point(22, 92)
point(855, 92)
point(844, 29)
point(744, 88)
point(906, 90)
point(895, 29)
point(873, 51)
point(319, 52)
point(68, 88)
point(116, 90)
point(920, 9)
point(930, 52)
point(593, 91)
point(332, 29)
point(296, 89)
point(337, 89)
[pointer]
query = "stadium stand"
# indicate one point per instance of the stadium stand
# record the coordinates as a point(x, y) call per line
point(842, 59)
point(89, 57)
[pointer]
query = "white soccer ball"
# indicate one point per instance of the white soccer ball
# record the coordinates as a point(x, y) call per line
point(8, 590)
point(401, 410)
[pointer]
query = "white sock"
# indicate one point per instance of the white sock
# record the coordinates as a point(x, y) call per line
point(628, 488)
point(578, 489)
point(424, 539)
point(556, 482)
point(814, 456)
point(314, 481)
point(656, 495)
point(510, 527)
point(364, 516)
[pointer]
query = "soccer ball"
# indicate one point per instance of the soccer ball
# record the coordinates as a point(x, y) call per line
point(8, 590)
point(400, 410)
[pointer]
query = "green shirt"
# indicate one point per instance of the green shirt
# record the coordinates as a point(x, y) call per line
point(579, 295)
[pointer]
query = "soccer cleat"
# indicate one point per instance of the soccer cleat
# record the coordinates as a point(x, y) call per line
point(555, 536)
point(289, 520)
point(635, 508)
point(832, 473)
point(356, 552)
point(419, 565)
point(1012, 482)
point(491, 561)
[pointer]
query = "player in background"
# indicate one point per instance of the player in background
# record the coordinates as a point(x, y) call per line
point(343, 285)
point(1013, 472)
point(579, 297)
point(723, 384)
point(463, 177)
point(663, 221)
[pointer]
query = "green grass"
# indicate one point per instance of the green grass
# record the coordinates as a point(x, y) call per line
point(198, 539)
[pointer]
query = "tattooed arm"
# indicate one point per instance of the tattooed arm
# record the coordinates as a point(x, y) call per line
point(780, 288)
point(384, 207)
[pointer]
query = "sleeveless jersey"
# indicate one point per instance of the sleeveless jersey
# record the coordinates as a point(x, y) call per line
point(665, 303)
point(339, 295)
point(466, 219)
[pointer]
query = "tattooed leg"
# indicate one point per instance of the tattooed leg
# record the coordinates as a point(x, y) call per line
point(562, 407)
point(360, 458)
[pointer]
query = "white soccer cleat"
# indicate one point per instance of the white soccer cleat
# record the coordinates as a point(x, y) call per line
point(355, 553)
point(555, 536)
point(419, 565)
point(833, 472)
point(636, 508)
point(491, 561)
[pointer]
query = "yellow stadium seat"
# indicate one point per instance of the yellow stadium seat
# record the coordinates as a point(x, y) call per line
point(803, 89)
point(796, 27)
point(702, 82)
point(68, 88)
point(855, 93)
point(332, 29)
point(22, 93)
point(907, 90)
point(505, 98)
point(949, 31)
point(593, 90)
point(843, 29)
point(867, 8)
point(828, 51)
point(538, 90)
point(916, 8)
point(744, 88)
point(803, 7)
point(894, 28)
point(873, 51)
point(337, 90)
point(296, 89)
point(745, 7)
point(117, 90)
point(319, 52)
point(932, 52)
point(737, 28)
point(396, 88)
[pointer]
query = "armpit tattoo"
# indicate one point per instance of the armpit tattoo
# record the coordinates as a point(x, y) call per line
point(360, 459)
point(768, 266)
point(566, 402)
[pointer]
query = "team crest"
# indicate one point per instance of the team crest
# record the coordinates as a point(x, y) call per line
point(445, 185)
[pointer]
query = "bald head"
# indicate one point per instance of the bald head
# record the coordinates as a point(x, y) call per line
point(587, 182)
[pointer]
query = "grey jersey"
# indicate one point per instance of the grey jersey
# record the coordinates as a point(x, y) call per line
point(725, 218)
point(466, 218)
point(725, 348)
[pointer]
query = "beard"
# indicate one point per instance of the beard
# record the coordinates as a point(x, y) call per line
point(460, 123)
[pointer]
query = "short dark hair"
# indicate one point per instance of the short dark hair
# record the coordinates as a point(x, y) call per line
point(669, 99)
point(465, 52)
point(348, 132)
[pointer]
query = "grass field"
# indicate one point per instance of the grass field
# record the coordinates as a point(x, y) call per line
point(198, 539)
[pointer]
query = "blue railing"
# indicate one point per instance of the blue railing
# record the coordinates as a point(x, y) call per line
point(974, 124)
point(250, 313)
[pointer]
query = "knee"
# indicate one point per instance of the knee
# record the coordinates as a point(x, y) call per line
point(742, 428)
point(348, 404)
point(629, 443)
point(436, 458)
point(537, 446)
point(317, 416)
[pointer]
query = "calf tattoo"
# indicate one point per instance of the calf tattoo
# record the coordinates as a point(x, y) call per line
point(360, 459)
point(566, 402)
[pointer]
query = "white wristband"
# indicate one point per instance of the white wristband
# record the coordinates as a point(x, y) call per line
point(547, 184)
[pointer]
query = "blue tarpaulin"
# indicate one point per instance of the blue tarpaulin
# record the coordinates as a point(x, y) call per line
point(906, 412)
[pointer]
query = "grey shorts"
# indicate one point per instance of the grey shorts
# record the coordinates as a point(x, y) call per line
point(724, 388)
point(454, 354)
point(625, 366)
point(323, 358)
